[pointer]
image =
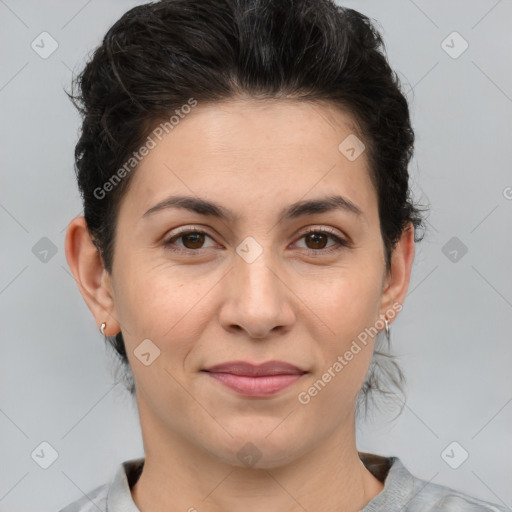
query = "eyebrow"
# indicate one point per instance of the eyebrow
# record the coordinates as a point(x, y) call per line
point(293, 211)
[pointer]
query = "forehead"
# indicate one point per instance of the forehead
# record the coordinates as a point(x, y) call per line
point(258, 148)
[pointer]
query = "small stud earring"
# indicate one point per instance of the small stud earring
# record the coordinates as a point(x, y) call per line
point(102, 328)
point(388, 334)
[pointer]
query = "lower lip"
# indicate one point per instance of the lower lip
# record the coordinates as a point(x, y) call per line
point(256, 386)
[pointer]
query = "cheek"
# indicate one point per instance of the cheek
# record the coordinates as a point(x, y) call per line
point(347, 300)
point(161, 303)
point(349, 306)
point(350, 309)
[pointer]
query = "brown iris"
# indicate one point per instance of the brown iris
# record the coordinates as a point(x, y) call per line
point(318, 239)
point(196, 240)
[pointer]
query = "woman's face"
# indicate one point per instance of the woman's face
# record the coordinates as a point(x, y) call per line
point(251, 285)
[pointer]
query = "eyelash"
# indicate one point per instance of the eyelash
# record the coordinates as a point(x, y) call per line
point(340, 243)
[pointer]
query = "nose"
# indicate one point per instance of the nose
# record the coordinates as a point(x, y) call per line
point(258, 299)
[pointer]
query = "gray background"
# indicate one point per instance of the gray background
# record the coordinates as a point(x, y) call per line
point(453, 335)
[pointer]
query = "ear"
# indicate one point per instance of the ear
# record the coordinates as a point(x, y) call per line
point(93, 281)
point(396, 282)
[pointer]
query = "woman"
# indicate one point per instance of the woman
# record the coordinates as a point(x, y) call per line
point(247, 241)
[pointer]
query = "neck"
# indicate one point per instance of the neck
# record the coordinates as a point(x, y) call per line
point(177, 476)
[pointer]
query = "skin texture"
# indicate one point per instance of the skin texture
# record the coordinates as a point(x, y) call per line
point(211, 306)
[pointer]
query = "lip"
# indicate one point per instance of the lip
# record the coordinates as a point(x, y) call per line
point(256, 370)
point(256, 380)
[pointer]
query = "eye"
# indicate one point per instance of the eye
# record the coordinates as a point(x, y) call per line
point(317, 238)
point(192, 240)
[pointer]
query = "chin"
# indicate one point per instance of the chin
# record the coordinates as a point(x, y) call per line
point(257, 449)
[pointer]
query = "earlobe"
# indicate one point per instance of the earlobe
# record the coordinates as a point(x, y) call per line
point(399, 274)
point(86, 265)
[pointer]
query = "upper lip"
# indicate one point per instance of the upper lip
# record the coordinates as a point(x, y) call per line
point(256, 370)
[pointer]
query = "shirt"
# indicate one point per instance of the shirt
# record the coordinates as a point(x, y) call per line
point(402, 491)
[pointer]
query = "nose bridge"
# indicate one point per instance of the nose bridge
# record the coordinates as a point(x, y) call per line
point(256, 269)
point(258, 301)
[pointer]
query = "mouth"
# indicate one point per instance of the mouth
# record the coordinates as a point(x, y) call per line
point(256, 380)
